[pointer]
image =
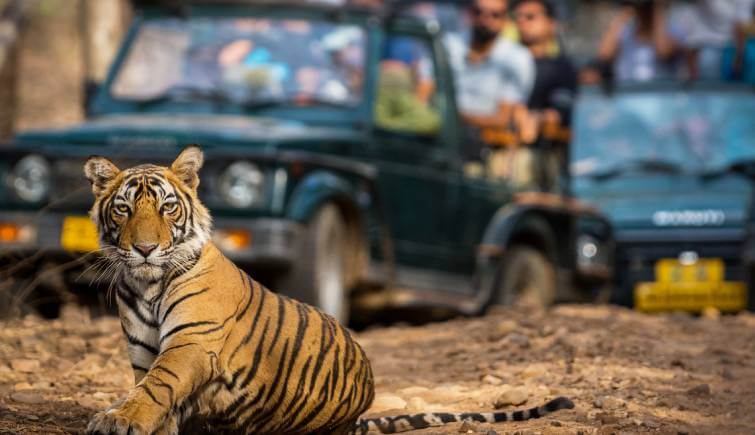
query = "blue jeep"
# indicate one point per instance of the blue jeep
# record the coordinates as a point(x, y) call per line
point(672, 166)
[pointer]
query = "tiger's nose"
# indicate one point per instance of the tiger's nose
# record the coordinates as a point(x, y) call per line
point(145, 248)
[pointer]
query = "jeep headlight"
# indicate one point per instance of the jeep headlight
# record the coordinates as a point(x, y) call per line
point(30, 178)
point(590, 253)
point(242, 185)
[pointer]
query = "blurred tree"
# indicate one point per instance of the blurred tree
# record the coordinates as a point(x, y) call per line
point(11, 17)
point(102, 24)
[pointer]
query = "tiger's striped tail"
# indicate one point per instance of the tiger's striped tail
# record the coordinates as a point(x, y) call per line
point(404, 423)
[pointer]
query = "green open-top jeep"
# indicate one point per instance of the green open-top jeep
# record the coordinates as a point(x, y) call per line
point(335, 164)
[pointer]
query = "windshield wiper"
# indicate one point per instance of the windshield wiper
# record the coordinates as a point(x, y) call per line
point(640, 165)
point(254, 104)
point(742, 166)
point(188, 93)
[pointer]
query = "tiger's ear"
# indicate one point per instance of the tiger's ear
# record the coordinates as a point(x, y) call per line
point(187, 166)
point(100, 172)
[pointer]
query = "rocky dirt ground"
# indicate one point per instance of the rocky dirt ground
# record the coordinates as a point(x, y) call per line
point(626, 372)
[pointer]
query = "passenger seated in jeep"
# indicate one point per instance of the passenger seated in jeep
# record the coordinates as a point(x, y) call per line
point(494, 81)
point(399, 106)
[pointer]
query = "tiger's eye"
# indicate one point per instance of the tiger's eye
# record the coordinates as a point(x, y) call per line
point(170, 207)
point(122, 209)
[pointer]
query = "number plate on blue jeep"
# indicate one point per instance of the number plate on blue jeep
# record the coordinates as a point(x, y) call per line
point(690, 287)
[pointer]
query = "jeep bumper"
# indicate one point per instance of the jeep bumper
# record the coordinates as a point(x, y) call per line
point(262, 241)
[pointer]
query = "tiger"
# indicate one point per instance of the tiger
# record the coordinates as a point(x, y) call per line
point(211, 349)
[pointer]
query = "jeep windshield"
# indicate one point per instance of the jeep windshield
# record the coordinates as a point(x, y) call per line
point(248, 62)
point(677, 130)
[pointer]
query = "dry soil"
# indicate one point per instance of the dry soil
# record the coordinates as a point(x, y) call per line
point(626, 372)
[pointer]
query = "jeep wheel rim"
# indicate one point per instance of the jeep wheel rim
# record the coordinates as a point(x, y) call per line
point(330, 286)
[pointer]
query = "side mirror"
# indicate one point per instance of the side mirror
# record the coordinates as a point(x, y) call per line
point(91, 89)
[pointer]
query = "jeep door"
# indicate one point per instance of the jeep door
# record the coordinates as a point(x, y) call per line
point(410, 154)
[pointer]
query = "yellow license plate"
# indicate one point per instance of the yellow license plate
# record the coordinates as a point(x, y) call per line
point(690, 287)
point(79, 234)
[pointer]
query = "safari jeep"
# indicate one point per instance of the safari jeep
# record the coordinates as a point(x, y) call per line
point(335, 168)
point(672, 166)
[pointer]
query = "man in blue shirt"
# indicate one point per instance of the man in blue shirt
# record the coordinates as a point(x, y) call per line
point(494, 76)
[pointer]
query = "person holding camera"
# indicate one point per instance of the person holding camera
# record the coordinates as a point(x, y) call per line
point(642, 43)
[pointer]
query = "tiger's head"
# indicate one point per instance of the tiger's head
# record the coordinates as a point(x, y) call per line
point(149, 217)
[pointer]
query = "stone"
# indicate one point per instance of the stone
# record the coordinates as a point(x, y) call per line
point(492, 380)
point(418, 404)
point(21, 386)
point(511, 396)
point(518, 339)
point(90, 403)
point(25, 365)
point(699, 390)
point(727, 374)
point(606, 418)
point(532, 372)
point(711, 313)
point(385, 402)
point(27, 397)
point(468, 427)
point(99, 395)
point(547, 330)
point(73, 345)
point(598, 403)
point(614, 402)
point(447, 393)
point(556, 423)
point(506, 327)
point(65, 365)
point(413, 391)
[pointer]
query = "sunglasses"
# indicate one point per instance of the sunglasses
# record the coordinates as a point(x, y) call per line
point(479, 12)
point(526, 17)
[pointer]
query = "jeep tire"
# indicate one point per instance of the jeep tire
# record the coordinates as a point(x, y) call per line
point(527, 279)
point(317, 276)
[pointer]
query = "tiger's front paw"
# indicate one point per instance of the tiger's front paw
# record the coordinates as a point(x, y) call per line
point(113, 422)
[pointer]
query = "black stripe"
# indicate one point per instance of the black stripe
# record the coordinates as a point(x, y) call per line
point(559, 403)
point(214, 329)
point(133, 304)
point(190, 279)
point(183, 326)
point(166, 370)
point(278, 379)
point(298, 396)
point(181, 299)
point(150, 394)
point(234, 407)
point(257, 357)
point(476, 416)
point(178, 346)
point(250, 288)
point(252, 329)
point(136, 367)
point(279, 325)
point(136, 342)
point(518, 416)
point(160, 383)
point(300, 329)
